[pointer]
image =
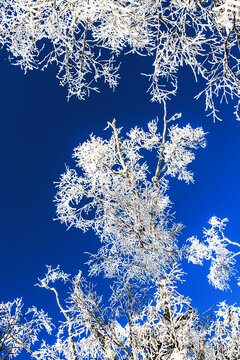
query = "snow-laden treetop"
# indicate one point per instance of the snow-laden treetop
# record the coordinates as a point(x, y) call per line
point(121, 193)
point(119, 189)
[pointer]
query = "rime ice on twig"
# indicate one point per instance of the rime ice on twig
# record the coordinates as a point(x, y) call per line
point(122, 196)
point(128, 207)
point(85, 38)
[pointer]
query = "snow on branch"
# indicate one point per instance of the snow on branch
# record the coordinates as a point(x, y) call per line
point(119, 189)
point(140, 322)
point(20, 331)
point(115, 194)
point(214, 248)
point(85, 39)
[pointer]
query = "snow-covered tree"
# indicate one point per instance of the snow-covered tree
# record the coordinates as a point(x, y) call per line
point(20, 330)
point(85, 39)
point(120, 190)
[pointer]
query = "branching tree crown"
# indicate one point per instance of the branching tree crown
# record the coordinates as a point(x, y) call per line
point(115, 192)
point(118, 193)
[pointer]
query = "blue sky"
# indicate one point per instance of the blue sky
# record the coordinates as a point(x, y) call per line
point(39, 130)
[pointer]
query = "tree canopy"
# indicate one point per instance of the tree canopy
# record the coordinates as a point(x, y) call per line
point(119, 188)
point(125, 201)
point(85, 39)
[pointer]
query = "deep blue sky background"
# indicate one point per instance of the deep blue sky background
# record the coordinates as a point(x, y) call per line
point(39, 130)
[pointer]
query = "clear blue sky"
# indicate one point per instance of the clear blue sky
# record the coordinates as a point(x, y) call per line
point(39, 130)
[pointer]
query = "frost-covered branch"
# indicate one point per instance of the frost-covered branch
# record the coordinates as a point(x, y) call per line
point(116, 195)
point(215, 249)
point(140, 322)
point(19, 331)
point(120, 190)
point(85, 39)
